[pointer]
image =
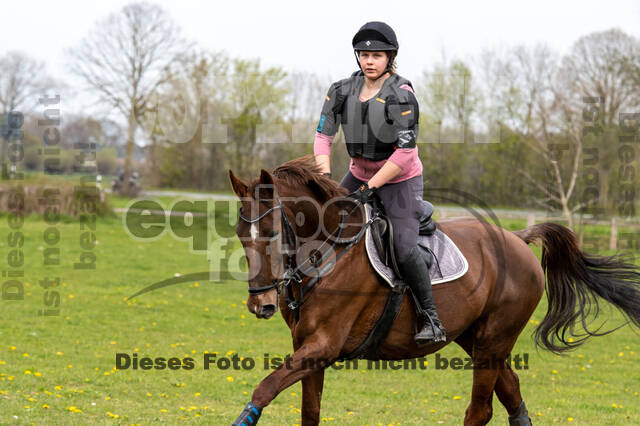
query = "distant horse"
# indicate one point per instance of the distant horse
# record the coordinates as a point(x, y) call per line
point(483, 311)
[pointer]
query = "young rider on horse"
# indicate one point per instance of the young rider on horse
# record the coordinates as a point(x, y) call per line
point(379, 116)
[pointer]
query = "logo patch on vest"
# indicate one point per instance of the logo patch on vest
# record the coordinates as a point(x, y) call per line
point(321, 123)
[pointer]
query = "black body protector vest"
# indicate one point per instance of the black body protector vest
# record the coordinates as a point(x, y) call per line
point(375, 128)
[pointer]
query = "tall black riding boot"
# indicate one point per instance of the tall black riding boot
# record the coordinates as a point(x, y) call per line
point(416, 274)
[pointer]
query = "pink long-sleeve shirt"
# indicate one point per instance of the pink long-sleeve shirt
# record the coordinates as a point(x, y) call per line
point(361, 168)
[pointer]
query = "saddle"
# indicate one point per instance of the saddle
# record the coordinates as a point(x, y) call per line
point(382, 233)
point(450, 264)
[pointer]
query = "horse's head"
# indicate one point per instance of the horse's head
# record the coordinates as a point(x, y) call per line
point(294, 214)
point(260, 231)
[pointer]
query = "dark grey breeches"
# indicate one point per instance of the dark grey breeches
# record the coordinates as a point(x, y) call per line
point(403, 204)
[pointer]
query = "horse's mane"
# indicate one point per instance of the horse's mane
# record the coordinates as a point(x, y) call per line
point(305, 172)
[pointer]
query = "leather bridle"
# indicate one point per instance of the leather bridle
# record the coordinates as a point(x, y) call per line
point(297, 274)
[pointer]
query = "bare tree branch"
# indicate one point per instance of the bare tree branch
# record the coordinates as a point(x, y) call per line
point(126, 59)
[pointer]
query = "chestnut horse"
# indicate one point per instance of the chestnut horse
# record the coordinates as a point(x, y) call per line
point(483, 311)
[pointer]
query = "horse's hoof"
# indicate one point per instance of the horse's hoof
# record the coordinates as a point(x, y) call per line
point(249, 416)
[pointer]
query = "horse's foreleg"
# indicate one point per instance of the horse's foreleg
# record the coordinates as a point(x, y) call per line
point(311, 357)
point(311, 397)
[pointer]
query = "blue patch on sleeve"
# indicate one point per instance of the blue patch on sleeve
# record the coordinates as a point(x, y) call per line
point(321, 123)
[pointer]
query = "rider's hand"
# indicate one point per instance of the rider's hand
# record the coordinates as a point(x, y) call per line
point(364, 194)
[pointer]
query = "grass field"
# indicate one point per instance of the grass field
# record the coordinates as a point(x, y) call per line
point(61, 369)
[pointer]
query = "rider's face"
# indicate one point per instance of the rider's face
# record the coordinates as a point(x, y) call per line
point(373, 64)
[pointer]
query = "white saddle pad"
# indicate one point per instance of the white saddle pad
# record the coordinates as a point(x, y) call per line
point(449, 263)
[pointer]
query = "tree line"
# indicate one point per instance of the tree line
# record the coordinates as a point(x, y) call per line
point(523, 126)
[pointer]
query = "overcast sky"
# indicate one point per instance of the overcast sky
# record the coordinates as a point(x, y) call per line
point(316, 36)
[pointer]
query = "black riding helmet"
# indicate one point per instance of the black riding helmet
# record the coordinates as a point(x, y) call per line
point(376, 36)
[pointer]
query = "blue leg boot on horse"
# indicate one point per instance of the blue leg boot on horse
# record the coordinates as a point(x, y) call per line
point(249, 416)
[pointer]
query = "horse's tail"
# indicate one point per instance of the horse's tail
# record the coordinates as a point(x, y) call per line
point(574, 281)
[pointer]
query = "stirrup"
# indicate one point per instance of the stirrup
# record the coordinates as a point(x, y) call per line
point(433, 334)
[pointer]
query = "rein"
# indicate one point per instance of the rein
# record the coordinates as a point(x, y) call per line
point(293, 275)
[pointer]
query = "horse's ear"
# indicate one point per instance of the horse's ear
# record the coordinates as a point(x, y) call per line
point(265, 186)
point(239, 187)
point(265, 177)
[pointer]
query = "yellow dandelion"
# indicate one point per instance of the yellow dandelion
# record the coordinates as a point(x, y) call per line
point(113, 342)
point(107, 398)
point(555, 372)
point(229, 379)
point(569, 419)
point(164, 410)
point(620, 353)
point(432, 411)
point(26, 355)
point(13, 348)
point(148, 394)
point(45, 406)
point(197, 394)
point(37, 374)
point(436, 394)
point(2, 362)
point(456, 397)
point(614, 405)
point(27, 371)
point(58, 387)
point(59, 353)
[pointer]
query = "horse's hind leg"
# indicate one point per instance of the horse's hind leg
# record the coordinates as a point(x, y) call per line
point(491, 372)
point(508, 391)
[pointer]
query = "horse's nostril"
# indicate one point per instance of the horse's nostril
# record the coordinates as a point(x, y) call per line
point(267, 310)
